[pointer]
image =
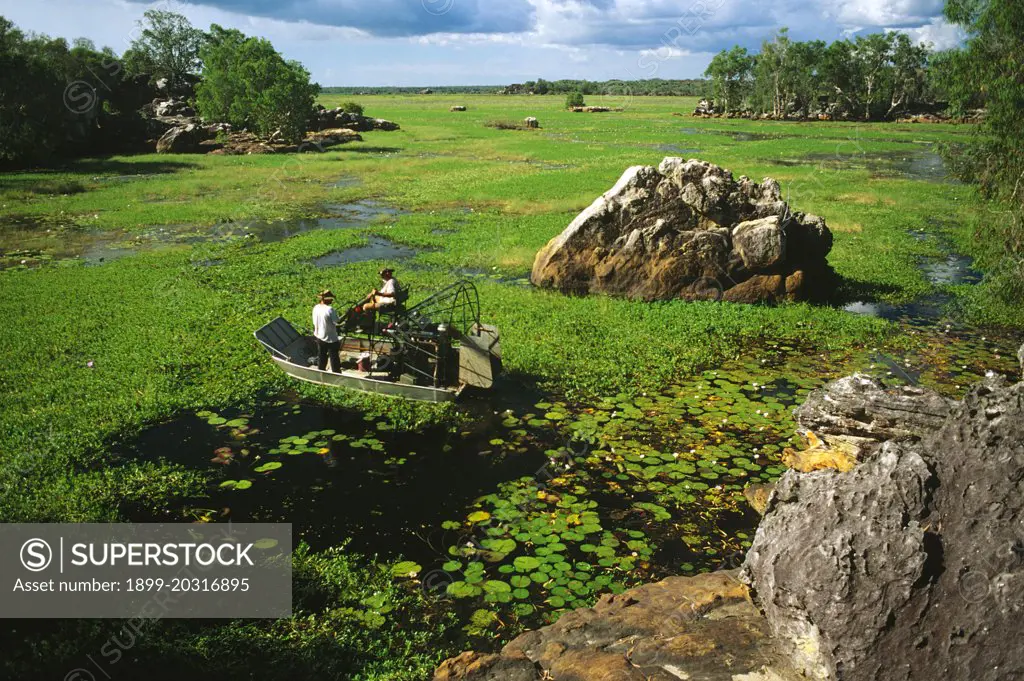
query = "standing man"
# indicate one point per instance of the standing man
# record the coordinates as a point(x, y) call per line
point(325, 330)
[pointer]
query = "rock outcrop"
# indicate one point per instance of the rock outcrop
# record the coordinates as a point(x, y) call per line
point(910, 567)
point(325, 119)
point(687, 229)
point(701, 627)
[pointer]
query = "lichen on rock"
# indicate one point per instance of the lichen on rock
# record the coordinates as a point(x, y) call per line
point(687, 229)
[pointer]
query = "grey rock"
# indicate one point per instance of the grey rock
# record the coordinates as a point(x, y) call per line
point(761, 243)
point(825, 532)
point(911, 566)
point(186, 139)
point(863, 411)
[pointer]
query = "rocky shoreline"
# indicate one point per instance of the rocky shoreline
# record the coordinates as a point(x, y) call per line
point(903, 561)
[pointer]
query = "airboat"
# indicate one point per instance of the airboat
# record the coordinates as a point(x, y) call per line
point(431, 351)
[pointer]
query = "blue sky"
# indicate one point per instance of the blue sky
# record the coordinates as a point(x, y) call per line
point(490, 42)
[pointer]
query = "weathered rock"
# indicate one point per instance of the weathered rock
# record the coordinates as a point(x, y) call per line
point(911, 566)
point(1020, 358)
point(244, 143)
point(531, 122)
point(855, 413)
point(701, 627)
point(327, 119)
point(472, 666)
point(757, 495)
point(324, 139)
point(182, 140)
point(173, 107)
point(684, 229)
point(761, 243)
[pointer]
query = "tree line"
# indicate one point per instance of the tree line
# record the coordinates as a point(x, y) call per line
point(58, 99)
point(870, 77)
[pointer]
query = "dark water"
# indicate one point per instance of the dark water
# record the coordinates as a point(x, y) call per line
point(922, 164)
point(31, 244)
point(343, 216)
point(930, 309)
point(386, 491)
point(377, 248)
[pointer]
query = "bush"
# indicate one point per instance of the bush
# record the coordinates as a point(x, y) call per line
point(574, 99)
point(352, 107)
point(248, 84)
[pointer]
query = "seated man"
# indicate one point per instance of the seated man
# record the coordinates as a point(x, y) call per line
point(386, 296)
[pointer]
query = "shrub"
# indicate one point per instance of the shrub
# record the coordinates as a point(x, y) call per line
point(352, 107)
point(574, 99)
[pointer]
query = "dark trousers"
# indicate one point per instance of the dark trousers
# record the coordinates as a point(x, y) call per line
point(327, 351)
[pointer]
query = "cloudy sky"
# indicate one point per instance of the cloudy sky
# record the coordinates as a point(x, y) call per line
point(485, 42)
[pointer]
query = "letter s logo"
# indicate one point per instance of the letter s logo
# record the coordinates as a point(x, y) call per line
point(36, 555)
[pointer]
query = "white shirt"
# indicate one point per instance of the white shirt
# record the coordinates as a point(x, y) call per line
point(388, 289)
point(325, 323)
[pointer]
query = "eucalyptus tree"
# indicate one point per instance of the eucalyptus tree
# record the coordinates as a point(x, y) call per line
point(166, 46)
point(730, 72)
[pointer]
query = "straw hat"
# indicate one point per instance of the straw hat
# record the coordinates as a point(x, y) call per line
point(326, 296)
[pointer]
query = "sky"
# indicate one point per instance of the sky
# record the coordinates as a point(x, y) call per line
point(496, 42)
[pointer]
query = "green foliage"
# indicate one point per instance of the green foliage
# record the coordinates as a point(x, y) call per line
point(249, 84)
point(351, 620)
point(993, 62)
point(352, 107)
point(730, 72)
point(166, 47)
point(574, 99)
point(873, 76)
point(60, 100)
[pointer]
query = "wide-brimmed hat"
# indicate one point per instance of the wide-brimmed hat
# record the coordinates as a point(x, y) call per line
point(326, 295)
point(386, 270)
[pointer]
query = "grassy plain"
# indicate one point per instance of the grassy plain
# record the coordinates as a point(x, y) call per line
point(92, 354)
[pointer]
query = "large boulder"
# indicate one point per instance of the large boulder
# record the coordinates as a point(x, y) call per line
point(911, 566)
point(687, 229)
point(185, 139)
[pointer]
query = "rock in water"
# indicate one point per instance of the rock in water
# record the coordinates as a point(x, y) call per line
point(687, 229)
point(911, 566)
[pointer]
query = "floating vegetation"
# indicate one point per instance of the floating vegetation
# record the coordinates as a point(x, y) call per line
point(532, 511)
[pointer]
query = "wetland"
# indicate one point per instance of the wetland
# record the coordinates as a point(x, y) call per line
point(613, 452)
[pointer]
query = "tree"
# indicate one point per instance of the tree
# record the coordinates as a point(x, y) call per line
point(60, 100)
point(909, 73)
point(247, 83)
point(872, 53)
point(574, 99)
point(167, 47)
point(730, 73)
point(992, 62)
